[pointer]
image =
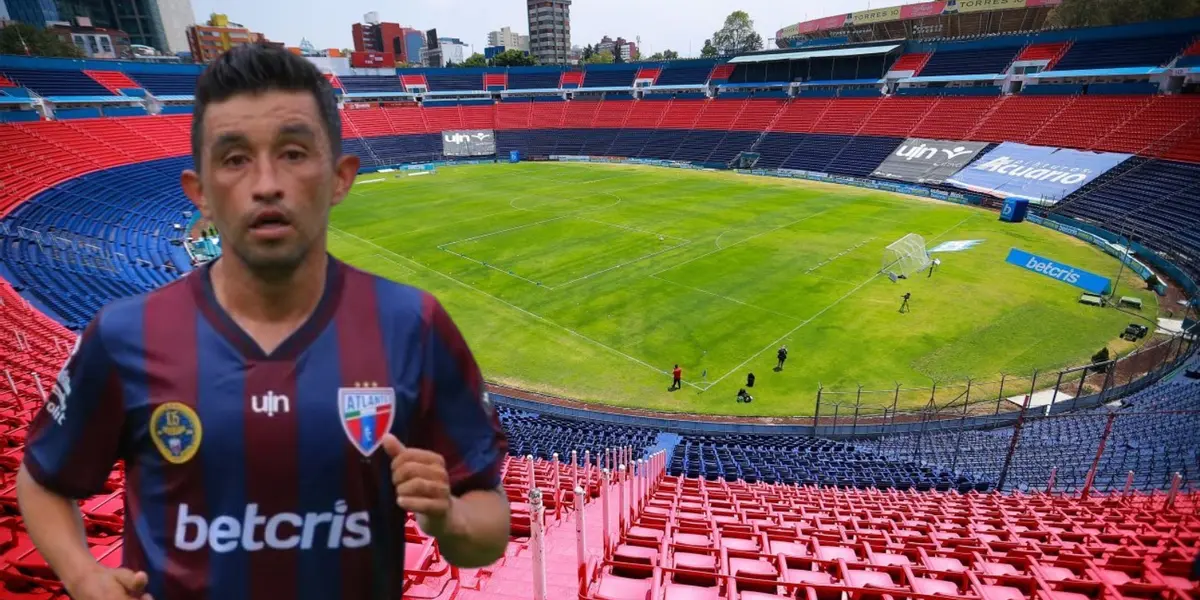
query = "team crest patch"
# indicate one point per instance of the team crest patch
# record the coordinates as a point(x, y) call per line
point(176, 431)
point(367, 414)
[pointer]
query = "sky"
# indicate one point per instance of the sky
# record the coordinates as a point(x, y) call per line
point(680, 25)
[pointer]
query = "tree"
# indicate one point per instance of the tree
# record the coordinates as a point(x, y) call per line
point(603, 57)
point(25, 39)
point(513, 58)
point(670, 55)
point(737, 35)
point(1090, 13)
point(588, 51)
point(616, 56)
point(450, 64)
point(475, 60)
point(709, 49)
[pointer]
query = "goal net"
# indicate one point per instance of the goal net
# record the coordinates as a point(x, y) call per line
point(905, 256)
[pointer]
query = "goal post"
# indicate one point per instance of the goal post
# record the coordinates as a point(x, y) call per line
point(905, 256)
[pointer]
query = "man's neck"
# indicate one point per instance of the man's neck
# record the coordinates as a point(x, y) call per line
point(249, 297)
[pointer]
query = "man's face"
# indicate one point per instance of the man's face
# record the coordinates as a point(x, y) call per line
point(267, 179)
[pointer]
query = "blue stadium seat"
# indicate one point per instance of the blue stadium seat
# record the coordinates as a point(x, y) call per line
point(454, 82)
point(167, 84)
point(969, 62)
point(1150, 51)
point(620, 76)
point(371, 83)
point(56, 82)
point(520, 79)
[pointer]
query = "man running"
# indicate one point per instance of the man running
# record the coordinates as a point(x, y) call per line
point(278, 412)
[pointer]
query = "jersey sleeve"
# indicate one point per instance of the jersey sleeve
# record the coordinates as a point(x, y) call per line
point(455, 417)
point(75, 437)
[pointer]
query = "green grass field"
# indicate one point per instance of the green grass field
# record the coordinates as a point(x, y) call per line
point(592, 281)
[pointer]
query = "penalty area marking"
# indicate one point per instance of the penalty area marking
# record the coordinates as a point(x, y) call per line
point(822, 311)
point(514, 307)
point(407, 270)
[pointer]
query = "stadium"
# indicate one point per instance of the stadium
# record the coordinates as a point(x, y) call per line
point(977, 237)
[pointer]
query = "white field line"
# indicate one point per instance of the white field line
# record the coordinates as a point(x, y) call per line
point(743, 241)
point(849, 250)
point(822, 311)
point(514, 307)
point(494, 268)
point(629, 262)
point(407, 270)
point(716, 295)
point(498, 232)
point(627, 228)
point(794, 330)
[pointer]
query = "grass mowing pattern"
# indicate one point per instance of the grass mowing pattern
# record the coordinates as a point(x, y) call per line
point(592, 281)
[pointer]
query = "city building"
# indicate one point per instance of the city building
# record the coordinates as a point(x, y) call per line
point(454, 51)
point(550, 31)
point(160, 24)
point(373, 35)
point(33, 12)
point(94, 42)
point(621, 47)
point(509, 39)
point(210, 40)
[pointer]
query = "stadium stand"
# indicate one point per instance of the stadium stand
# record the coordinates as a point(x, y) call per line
point(365, 83)
point(1152, 51)
point(113, 81)
point(948, 60)
point(167, 84)
point(55, 83)
point(533, 79)
point(685, 72)
point(454, 80)
point(1154, 435)
point(599, 76)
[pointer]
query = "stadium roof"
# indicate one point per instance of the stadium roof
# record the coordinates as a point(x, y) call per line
point(1110, 72)
point(950, 78)
point(843, 82)
point(805, 55)
point(9, 100)
point(93, 99)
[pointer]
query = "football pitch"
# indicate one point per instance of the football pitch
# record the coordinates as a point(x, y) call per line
point(591, 281)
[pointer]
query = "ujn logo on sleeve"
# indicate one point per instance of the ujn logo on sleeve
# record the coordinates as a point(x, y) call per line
point(1062, 272)
point(367, 413)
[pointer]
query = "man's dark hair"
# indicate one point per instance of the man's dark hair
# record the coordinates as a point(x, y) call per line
point(257, 68)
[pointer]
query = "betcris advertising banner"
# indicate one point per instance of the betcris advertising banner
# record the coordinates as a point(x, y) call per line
point(1062, 272)
point(1039, 174)
point(919, 160)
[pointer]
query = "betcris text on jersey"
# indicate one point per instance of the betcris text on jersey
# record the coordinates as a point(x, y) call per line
point(1057, 270)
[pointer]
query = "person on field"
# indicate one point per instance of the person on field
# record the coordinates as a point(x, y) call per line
point(750, 380)
point(278, 412)
point(676, 378)
point(781, 354)
point(904, 304)
point(744, 396)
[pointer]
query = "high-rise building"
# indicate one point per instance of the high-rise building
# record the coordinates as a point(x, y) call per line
point(454, 51)
point(160, 24)
point(33, 12)
point(510, 39)
point(550, 30)
point(372, 35)
point(620, 47)
point(94, 42)
point(210, 40)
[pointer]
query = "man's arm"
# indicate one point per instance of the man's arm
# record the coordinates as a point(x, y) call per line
point(471, 529)
point(450, 473)
point(72, 445)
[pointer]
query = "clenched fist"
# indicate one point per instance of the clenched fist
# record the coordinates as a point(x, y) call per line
point(109, 584)
point(422, 484)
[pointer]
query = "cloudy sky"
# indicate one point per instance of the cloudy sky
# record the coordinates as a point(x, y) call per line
point(680, 25)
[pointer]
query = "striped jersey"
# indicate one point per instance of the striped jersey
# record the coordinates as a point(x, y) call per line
point(255, 475)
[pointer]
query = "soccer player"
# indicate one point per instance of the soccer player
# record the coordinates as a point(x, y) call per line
point(904, 304)
point(676, 378)
point(781, 355)
point(278, 412)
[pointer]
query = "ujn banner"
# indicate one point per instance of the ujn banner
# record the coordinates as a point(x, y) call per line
point(475, 142)
point(1039, 174)
point(1064, 273)
point(919, 160)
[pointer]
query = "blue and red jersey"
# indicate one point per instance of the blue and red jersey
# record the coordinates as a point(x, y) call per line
point(255, 475)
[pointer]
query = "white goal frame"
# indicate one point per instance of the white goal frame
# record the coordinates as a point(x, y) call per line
point(905, 256)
